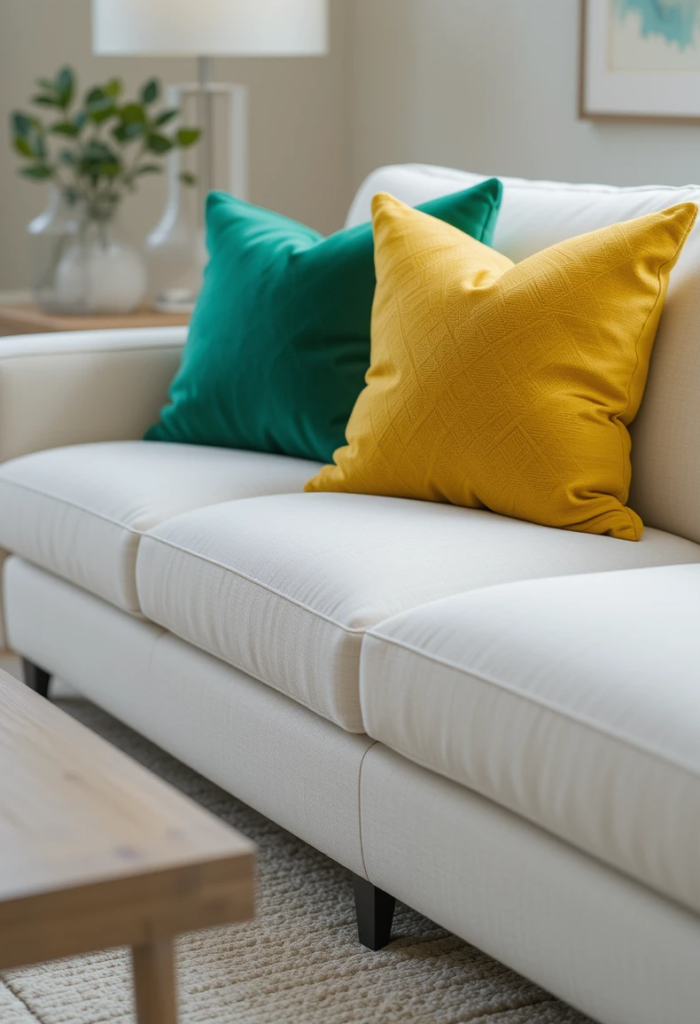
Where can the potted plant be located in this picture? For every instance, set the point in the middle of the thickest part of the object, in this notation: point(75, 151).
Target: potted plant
point(94, 153)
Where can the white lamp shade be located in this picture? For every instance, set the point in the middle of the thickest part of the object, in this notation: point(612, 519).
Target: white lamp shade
point(235, 28)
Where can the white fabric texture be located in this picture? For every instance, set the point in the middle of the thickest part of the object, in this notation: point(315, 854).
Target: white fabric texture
point(285, 587)
point(72, 388)
point(537, 214)
point(574, 702)
point(602, 942)
point(285, 761)
point(80, 511)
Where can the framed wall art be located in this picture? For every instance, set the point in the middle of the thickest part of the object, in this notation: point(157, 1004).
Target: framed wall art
point(640, 59)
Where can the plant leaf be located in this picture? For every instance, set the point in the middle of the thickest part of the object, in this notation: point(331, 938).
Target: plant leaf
point(148, 169)
point(65, 83)
point(188, 136)
point(100, 152)
point(67, 156)
point(150, 91)
point(126, 131)
point(132, 112)
point(21, 124)
point(65, 128)
point(188, 179)
point(96, 95)
point(44, 100)
point(99, 105)
point(28, 136)
point(23, 147)
point(158, 143)
point(102, 115)
point(37, 172)
point(114, 87)
point(167, 115)
point(110, 170)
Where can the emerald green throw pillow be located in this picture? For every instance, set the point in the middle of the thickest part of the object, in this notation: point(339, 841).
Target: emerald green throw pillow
point(279, 342)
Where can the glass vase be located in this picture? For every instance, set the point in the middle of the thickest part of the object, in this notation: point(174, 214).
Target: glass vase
point(175, 248)
point(82, 262)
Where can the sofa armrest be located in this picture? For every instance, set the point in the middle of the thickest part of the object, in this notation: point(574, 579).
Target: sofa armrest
point(72, 388)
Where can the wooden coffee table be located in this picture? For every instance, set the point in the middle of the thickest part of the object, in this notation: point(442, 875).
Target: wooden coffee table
point(96, 852)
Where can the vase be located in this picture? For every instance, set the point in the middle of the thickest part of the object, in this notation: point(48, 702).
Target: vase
point(82, 261)
point(175, 248)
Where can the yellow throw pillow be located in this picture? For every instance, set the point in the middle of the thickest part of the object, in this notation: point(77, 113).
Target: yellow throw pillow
point(503, 386)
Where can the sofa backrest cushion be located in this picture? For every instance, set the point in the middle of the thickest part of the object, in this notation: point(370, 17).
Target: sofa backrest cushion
point(537, 214)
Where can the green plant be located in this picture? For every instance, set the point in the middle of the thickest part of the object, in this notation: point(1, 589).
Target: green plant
point(103, 145)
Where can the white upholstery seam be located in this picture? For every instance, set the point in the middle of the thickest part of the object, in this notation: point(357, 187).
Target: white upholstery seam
point(551, 829)
point(359, 806)
point(171, 345)
point(72, 504)
point(602, 190)
point(355, 630)
point(582, 720)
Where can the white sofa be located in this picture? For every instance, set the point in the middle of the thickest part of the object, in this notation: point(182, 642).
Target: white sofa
point(496, 722)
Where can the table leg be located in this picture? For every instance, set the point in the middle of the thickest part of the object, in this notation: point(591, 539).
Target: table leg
point(154, 982)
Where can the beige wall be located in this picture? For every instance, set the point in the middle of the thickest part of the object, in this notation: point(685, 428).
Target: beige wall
point(299, 139)
point(491, 86)
point(487, 85)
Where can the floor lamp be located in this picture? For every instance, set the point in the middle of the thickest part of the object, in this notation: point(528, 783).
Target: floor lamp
point(206, 29)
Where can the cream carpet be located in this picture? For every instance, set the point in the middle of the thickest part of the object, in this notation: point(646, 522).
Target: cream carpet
point(299, 962)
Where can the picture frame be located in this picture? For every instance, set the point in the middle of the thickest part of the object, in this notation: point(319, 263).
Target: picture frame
point(640, 60)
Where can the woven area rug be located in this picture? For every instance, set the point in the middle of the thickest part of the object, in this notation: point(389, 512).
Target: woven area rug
point(299, 961)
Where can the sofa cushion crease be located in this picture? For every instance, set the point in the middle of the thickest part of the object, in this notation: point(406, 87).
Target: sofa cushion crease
point(46, 493)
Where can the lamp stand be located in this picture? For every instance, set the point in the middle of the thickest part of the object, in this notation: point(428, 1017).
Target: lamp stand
point(206, 123)
point(237, 102)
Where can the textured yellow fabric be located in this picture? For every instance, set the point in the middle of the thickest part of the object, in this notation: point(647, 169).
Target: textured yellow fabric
point(505, 386)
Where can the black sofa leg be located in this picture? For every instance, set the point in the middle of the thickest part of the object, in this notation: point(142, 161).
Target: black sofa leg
point(36, 678)
point(375, 913)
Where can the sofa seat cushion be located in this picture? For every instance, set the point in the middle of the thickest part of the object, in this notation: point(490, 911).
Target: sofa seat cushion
point(573, 702)
point(79, 512)
point(285, 587)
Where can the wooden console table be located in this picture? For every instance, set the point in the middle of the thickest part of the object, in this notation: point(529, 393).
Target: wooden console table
point(29, 319)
